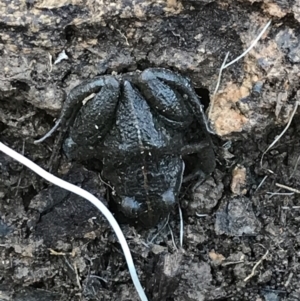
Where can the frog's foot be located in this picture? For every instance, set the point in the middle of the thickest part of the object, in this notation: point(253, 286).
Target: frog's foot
point(180, 84)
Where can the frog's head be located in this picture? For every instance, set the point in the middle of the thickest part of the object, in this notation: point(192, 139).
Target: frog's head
point(148, 213)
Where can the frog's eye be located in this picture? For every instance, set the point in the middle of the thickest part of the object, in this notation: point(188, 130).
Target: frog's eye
point(169, 198)
point(130, 206)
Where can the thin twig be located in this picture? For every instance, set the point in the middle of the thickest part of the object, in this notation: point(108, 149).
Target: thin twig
point(234, 61)
point(105, 183)
point(98, 277)
point(217, 86)
point(256, 265)
point(288, 188)
point(261, 183)
point(69, 264)
point(48, 134)
point(289, 279)
point(232, 262)
point(159, 231)
point(295, 167)
point(96, 202)
point(292, 207)
point(123, 35)
point(172, 236)
point(220, 72)
point(77, 276)
point(55, 253)
point(50, 62)
point(251, 46)
point(282, 133)
point(280, 193)
point(21, 173)
point(181, 227)
point(201, 214)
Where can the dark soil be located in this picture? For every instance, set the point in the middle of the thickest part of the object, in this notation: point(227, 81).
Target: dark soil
point(241, 231)
point(56, 246)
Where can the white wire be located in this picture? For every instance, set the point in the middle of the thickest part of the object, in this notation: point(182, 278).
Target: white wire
point(83, 193)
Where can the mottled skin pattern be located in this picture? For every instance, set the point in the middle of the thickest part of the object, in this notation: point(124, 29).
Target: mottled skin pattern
point(137, 125)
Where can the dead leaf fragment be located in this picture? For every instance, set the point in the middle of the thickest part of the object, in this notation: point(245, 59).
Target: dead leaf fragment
point(216, 257)
point(238, 182)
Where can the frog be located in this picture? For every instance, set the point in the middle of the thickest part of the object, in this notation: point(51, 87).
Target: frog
point(138, 125)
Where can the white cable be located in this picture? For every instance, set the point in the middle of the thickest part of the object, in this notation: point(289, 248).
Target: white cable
point(83, 193)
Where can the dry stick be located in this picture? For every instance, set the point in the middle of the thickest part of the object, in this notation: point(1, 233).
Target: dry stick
point(289, 279)
point(77, 276)
point(279, 193)
point(232, 262)
point(251, 46)
point(288, 208)
point(55, 253)
point(282, 133)
point(255, 266)
point(181, 226)
point(234, 61)
point(20, 175)
point(98, 277)
point(287, 188)
point(217, 86)
point(96, 202)
point(201, 214)
point(123, 35)
point(159, 231)
point(69, 264)
point(48, 134)
point(295, 167)
point(261, 183)
point(173, 240)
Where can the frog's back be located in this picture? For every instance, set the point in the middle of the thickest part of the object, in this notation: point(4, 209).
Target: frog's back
point(152, 184)
point(138, 128)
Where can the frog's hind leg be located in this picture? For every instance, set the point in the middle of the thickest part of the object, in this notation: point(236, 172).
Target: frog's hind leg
point(203, 150)
point(164, 99)
point(93, 122)
point(96, 117)
point(73, 103)
point(70, 108)
point(182, 85)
